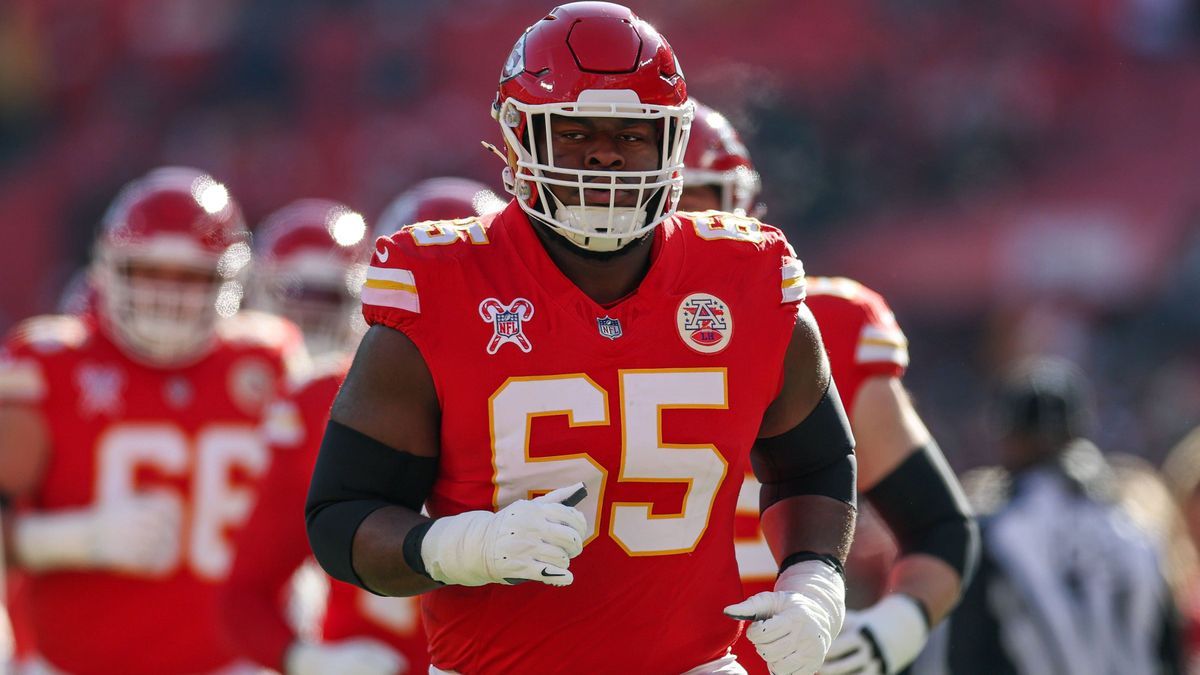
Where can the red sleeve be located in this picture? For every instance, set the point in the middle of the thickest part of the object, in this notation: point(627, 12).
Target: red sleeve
point(273, 542)
point(882, 348)
point(23, 356)
point(390, 292)
point(860, 333)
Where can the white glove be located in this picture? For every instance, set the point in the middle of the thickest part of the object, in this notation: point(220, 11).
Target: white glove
point(139, 535)
point(524, 541)
point(794, 625)
point(880, 640)
point(358, 656)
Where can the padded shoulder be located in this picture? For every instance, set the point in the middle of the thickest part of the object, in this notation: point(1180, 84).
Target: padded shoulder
point(50, 333)
point(30, 344)
point(733, 236)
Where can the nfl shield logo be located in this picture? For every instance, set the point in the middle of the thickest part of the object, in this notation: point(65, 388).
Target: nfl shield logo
point(609, 327)
point(508, 324)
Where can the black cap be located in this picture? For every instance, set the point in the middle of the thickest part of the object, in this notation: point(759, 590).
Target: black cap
point(1046, 396)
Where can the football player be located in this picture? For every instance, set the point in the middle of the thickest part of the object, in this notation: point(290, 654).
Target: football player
point(129, 434)
point(321, 244)
point(897, 457)
point(573, 388)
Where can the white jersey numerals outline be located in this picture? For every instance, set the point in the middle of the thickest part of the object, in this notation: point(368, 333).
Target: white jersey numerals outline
point(208, 462)
point(446, 232)
point(645, 457)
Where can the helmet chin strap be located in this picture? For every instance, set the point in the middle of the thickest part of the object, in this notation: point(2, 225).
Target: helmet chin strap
point(588, 219)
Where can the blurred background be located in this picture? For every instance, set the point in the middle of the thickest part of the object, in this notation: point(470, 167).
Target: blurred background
point(1015, 177)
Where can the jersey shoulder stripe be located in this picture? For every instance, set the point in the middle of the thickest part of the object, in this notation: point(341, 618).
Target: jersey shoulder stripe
point(882, 344)
point(391, 287)
point(795, 285)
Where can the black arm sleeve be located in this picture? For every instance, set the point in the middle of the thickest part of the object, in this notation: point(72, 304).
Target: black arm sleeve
point(354, 476)
point(815, 457)
point(924, 506)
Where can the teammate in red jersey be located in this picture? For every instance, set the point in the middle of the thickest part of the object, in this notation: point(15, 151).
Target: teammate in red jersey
point(573, 388)
point(130, 436)
point(309, 253)
point(897, 457)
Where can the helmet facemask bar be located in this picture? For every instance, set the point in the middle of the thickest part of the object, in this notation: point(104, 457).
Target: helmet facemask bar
point(594, 227)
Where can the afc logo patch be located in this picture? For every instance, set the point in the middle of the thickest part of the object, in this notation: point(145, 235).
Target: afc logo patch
point(507, 322)
point(705, 323)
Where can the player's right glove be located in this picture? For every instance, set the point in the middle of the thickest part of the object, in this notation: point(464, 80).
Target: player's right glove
point(880, 640)
point(794, 625)
point(359, 656)
point(528, 540)
point(138, 535)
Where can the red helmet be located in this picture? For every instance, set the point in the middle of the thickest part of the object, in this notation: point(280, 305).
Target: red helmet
point(311, 258)
point(716, 156)
point(592, 59)
point(165, 264)
point(445, 198)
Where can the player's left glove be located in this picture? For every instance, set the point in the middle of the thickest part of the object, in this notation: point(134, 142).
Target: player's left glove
point(880, 640)
point(793, 626)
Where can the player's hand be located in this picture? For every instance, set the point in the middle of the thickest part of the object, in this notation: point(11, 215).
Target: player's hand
point(138, 535)
point(359, 656)
point(880, 640)
point(528, 540)
point(793, 626)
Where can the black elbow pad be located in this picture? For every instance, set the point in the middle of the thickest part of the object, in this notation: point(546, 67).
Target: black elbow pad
point(925, 508)
point(815, 457)
point(354, 476)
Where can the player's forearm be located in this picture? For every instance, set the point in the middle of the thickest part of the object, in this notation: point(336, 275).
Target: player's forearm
point(363, 499)
point(930, 581)
point(808, 477)
point(924, 507)
point(379, 553)
point(809, 523)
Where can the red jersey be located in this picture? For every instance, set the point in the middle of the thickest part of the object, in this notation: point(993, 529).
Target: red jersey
point(653, 402)
point(273, 544)
point(119, 428)
point(862, 340)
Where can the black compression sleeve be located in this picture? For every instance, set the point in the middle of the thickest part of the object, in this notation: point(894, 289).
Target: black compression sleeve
point(354, 476)
point(815, 457)
point(924, 506)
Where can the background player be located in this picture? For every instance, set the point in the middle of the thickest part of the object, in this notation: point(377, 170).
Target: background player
point(897, 457)
point(130, 436)
point(476, 359)
point(362, 632)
